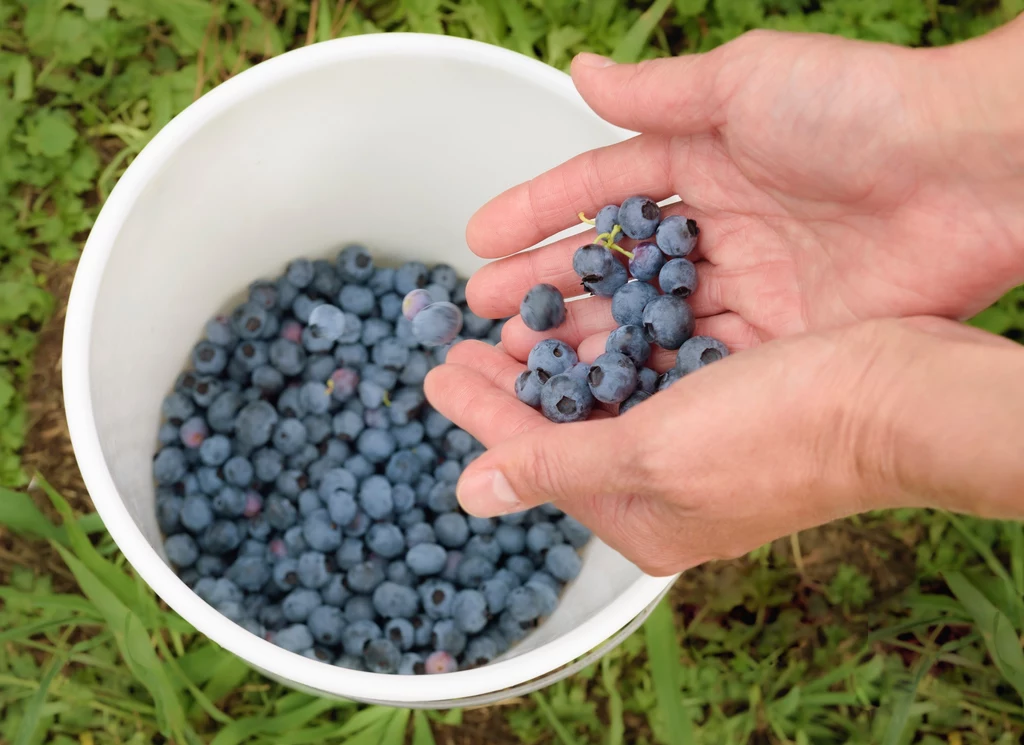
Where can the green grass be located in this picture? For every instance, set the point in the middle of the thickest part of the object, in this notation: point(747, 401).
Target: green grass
point(767, 650)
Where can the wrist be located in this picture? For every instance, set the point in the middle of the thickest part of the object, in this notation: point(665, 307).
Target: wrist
point(972, 98)
point(957, 429)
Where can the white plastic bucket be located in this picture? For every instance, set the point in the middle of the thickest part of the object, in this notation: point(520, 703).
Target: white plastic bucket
point(389, 139)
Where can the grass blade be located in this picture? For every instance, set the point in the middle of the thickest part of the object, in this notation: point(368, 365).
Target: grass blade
point(663, 656)
point(1014, 602)
point(20, 514)
point(610, 679)
point(135, 647)
point(32, 716)
point(242, 729)
point(995, 628)
point(421, 732)
point(564, 735)
point(395, 733)
point(363, 719)
point(904, 700)
point(632, 45)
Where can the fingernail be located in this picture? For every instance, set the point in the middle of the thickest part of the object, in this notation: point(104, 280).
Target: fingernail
point(588, 59)
point(487, 493)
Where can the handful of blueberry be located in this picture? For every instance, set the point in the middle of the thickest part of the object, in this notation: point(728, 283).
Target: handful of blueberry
point(306, 490)
point(565, 389)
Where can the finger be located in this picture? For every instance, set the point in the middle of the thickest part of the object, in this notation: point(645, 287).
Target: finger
point(559, 463)
point(495, 365)
point(676, 95)
point(496, 289)
point(475, 404)
point(583, 318)
point(534, 211)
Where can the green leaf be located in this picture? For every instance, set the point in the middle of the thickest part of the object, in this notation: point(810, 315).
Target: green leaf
point(610, 681)
point(19, 513)
point(904, 701)
point(94, 10)
point(995, 628)
point(32, 715)
point(365, 718)
point(563, 734)
point(395, 732)
point(135, 646)
point(50, 133)
point(242, 729)
point(664, 656)
point(421, 732)
point(24, 82)
point(631, 46)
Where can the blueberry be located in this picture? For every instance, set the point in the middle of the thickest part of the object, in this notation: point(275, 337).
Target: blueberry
point(593, 262)
point(668, 321)
point(563, 562)
point(218, 330)
point(375, 497)
point(169, 466)
point(551, 357)
point(528, 386)
point(474, 326)
point(196, 514)
point(400, 573)
point(540, 537)
point(697, 352)
point(255, 423)
point(448, 637)
point(440, 662)
point(543, 308)
point(403, 498)
point(677, 236)
point(473, 571)
point(392, 600)
point(355, 263)
point(416, 368)
point(436, 424)
point(326, 325)
point(168, 434)
point(629, 302)
point(385, 539)
point(357, 299)
point(351, 355)
point(607, 218)
point(524, 604)
point(612, 377)
point(353, 329)
point(315, 569)
point(375, 445)
point(229, 502)
point(315, 397)
point(437, 597)
point(341, 506)
point(300, 273)
point(250, 573)
point(357, 634)
point(423, 627)
point(267, 465)
point(481, 525)
point(222, 411)
point(364, 577)
point(320, 533)
point(206, 391)
point(511, 539)
point(483, 545)
point(579, 372)
point(563, 399)
point(287, 356)
point(359, 608)
point(411, 664)
point(451, 529)
point(678, 277)
point(359, 466)
point(269, 380)
point(280, 513)
point(646, 380)
point(335, 593)
point(382, 281)
point(469, 611)
point(381, 656)
point(410, 276)
point(647, 261)
point(630, 341)
point(181, 550)
point(350, 661)
point(347, 425)
point(546, 593)
point(209, 358)
point(168, 513)
point(639, 217)
point(390, 306)
point(294, 638)
point(325, 280)
point(668, 378)
point(250, 354)
point(437, 324)
point(209, 480)
point(425, 558)
point(638, 397)
point(442, 497)
point(285, 574)
point(481, 650)
point(418, 532)
point(299, 603)
point(289, 483)
point(495, 592)
point(414, 302)
point(272, 617)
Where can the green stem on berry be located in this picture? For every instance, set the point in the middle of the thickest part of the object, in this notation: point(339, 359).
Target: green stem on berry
point(620, 249)
point(583, 218)
point(387, 399)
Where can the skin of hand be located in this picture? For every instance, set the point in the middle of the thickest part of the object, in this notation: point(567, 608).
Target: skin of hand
point(783, 437)
point(833, 181)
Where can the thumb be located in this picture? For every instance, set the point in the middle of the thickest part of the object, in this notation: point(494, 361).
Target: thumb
point(556, 463)
point(674, 95)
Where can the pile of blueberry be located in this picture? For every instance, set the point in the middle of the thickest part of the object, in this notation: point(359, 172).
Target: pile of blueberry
point(650, 310)
point(306, 490)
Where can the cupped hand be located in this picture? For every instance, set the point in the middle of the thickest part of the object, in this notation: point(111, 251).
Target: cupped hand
point(791, 434)
point(832, 180)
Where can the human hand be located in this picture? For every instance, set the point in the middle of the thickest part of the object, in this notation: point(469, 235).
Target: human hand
point(792, 434)
point(833, 181)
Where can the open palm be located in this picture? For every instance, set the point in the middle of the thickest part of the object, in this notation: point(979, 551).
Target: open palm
point(830, 183)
